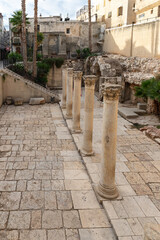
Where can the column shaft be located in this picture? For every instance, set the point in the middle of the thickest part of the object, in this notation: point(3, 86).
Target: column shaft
point(77, 76)
point(88, 115)
point(64, 88)
point(107, 187)
point(69, 92)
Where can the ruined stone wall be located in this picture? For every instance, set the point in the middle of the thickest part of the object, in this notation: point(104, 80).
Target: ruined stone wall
point(57, 41)
point(17, 87)
point(55, 77)
point(141, 40)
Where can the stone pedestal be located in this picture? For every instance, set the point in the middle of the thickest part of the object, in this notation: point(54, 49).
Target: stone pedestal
point(88, 115)
point(77, 77)
point(69, 93)
point(64, 88)
point(107, 188)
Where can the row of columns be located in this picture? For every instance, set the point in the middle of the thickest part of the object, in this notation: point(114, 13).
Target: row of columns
point(106, 187)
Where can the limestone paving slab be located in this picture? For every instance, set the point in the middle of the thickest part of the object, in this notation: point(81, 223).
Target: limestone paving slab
point(137, 176)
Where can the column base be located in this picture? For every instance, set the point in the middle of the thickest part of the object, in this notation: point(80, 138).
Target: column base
point(106, 192)
point(86, 154)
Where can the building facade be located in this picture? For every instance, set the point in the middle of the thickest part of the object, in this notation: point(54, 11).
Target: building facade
point(147, 10)
point(111, 12)
point(61, 38)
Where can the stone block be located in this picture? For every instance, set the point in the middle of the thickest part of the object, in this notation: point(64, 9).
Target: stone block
point(36, 101)
point(9, 100)
point(18, 101)
point(142, 106)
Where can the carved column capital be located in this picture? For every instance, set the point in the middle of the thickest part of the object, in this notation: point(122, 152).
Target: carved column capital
point(111, 91)
point(70, 71)
point(89, 80)
point(77, 75)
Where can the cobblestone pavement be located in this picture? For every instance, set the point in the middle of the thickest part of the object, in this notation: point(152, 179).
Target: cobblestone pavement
point(45, 191)
point(137, 176)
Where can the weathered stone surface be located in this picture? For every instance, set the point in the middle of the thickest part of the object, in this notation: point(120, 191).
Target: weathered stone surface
point(94, 218)
point(64, 200)
point(9, 235)
point(3, 219)
point(19, 220)
point(52, 219)
point(84, 200)
point(100, 234)
point(50, 200)
point(32, 200)
point(56, 234)
point(33, 235)
point(152, 231)
point(10, 201)
point(36, 219)
point(71, 219)
point(72, 234)
point(36, 101)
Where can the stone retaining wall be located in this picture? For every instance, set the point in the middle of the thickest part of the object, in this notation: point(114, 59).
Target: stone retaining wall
point(16, 86)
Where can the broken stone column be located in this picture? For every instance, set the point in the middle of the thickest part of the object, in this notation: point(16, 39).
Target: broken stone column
point(88, 115)
point(64, 88)
point(69, 93)
point(77, 77)
point(107, 188)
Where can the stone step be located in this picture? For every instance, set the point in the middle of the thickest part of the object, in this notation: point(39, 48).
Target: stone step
point(129, 113)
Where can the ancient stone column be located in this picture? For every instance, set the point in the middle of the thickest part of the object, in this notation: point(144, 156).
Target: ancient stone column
point(88, 115)
point(77, 77)
point(69, 93)
point(64, 88)
point(107, 188)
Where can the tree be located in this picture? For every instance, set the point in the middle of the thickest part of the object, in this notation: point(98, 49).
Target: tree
point(16, 22)
point(90, 25)
point(35, 39)
point(24, 42)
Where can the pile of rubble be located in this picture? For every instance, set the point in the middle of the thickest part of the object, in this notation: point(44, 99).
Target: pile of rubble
point(152, 132)
point(136, 69)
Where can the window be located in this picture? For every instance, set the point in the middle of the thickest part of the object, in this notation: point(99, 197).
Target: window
point(151, 11)
point(38, 28)
point(159, 11)
point(68, 30)
point(141, 15)
point(120, 11)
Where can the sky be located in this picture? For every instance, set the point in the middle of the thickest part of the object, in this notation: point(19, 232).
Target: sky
point(45, 7)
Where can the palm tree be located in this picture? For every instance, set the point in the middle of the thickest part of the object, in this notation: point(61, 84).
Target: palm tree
point(16, 22)
point(90, 25)
point(24, 42)
point(35, 39)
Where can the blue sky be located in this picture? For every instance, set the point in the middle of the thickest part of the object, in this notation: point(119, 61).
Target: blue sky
point(45, 7)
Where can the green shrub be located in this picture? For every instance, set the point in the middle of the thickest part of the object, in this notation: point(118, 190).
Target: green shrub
point(84, 53)
point(51, 61)
point(18, 68)
point(39, 57)
point(14, 57)
point(42, 71)
point(149, 89)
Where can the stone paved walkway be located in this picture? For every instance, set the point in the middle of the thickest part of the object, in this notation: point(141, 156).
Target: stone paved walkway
point(137, 176)
point(45, 191)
